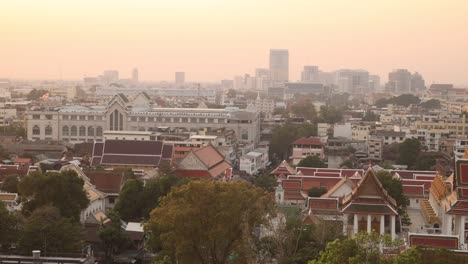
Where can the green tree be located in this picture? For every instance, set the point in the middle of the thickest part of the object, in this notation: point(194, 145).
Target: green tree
point(347, 163)
point(45, 229)
point(112, 236)
point(62, 190)
point(409, 152)
point(431, 104)
point(425, 162)
point(7, 226)
point(370, 116)
point(312, 161)
point(316, 191)
point(283, 136)
point(394, 188)
point(306, 109)
point(10, 184)
point(4, 154)
point(199, 222)
point(330, 114)
point(266, 181)
point(36, 94)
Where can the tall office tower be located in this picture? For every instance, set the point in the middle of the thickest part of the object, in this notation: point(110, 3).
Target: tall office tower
point(135, 75)
point(399, 81)
point(417, 82)
point(110, 76)
point(238, 83)
point(262, 78)
point(279, 65)
point(179, 79)
point(352, 81)
point(310, 74)
point(374, 83)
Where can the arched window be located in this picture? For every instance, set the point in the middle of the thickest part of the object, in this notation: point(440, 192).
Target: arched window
point(65, 131)
point(73, 131)
point(82, 131)
point(36, 130)
point(141, 129)
point(90, 131)
point(48, 130)
point(99, 131)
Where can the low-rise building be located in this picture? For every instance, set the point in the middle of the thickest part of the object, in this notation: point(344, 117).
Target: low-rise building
point(303, 147)
point(390, 137)
point(375, 147)
point(254, 161)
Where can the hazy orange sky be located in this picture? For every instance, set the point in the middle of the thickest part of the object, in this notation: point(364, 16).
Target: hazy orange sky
point(213, 40)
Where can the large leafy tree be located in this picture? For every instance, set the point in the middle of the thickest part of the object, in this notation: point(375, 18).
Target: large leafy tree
point(210, 222)
point(284, 135)
point(10, 184)
point(394, 188)
point(47, 230)
point(312, 161)
point(409, 152)
point(7, 226)
point(62, 190)
point(112, 235)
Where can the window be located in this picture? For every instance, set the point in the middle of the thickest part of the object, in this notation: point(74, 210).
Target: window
point(73, 131)
point(65, 131)
point(90, 117)
point(99, 118)
point(48, 130)
point(49, 117)
point(73, 117)
point(36, 130)
point(150, 119)
point(99, 131)
point(65, 117)
point(134, 119)
point(36, 116)
point(91, 131)
point(82, 117)
point(111, 200)
point(141, 119)
point(82, 131)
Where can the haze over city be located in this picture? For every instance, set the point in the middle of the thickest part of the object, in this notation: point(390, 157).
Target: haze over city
point(213, 40)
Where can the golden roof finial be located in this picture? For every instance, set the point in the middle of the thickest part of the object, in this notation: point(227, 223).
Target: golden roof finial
point(465, 155)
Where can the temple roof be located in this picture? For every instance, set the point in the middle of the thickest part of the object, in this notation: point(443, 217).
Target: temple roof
point(283, 169)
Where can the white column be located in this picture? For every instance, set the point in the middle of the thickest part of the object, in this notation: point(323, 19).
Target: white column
point(393, 227)
point(369, 220)
point(345, 224)
point(448, 225)
point(355, 227)
point(462, 231)
point(382, 224)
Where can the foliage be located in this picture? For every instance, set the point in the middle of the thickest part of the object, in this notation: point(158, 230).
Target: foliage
point(409, 152)
point(231, 93)
point(394, 188)
point(312, 161)
point(425, 162)
point(62, 190)
point(364, 248)
point(386, 165)
point(347, 163)
point(137, 200)
point(305, 108)
point(10, 184)
point(209, 222)
point(284, 135)
point(431, 104)
point(316, 191)
point(266, 181)
point(49, 232)
point(36, 94)
point(14, 130)
point(7, 226)
point(112, 236)
point(370, 116)
point(330, 114)
point(4, 154)
point(391, 152)
point(402, 100)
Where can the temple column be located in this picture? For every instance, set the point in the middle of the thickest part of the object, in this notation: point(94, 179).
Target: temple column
point(345, 224)
point(393, 227)
point(382, 224)
point(355, 226)
point(447, 225)
point(462, 231)
point(369, 220)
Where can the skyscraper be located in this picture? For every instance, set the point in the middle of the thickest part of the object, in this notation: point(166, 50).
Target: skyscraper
point(310, 74)
point(135, 75)
point(399, 81)
point(262, 77)
point(417, 82)
point(279, 65)
point(179, 79)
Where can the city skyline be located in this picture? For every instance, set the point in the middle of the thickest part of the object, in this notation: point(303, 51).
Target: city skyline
point(214, 40)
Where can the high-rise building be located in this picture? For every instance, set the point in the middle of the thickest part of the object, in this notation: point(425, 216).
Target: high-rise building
point(352, 81)
point(238, 83)
point(279, 65)
point(262, 78)
point(399, 81)
point(310, 74)
point(374, 83)
point(179, 79)
point(135, 75)
point(110, 76)
point(417, 82)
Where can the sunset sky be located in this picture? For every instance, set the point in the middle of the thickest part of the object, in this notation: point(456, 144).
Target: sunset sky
point(212, 40)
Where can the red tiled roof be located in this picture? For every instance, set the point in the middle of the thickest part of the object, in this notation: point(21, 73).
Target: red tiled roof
point(433, 241)
point(306, 171)
point(133, 147)
point(209, 155)
point(291, 184)
point(107, 182)
point(23, 160)
point(413, 190)
point(308, 141)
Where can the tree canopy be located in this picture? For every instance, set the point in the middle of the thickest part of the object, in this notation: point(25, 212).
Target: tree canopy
point(283, 136)
point(394, 188)
point(112, 236)
point(401, 100)
point(7, 226)
point(62, 190)
point(316, 191)
point(431, 104)
point(10, 184)
point(330, 114)
point(47, 230)
point(312, 161)
point(36, 94)
point(409, 152)
point(209, 222)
